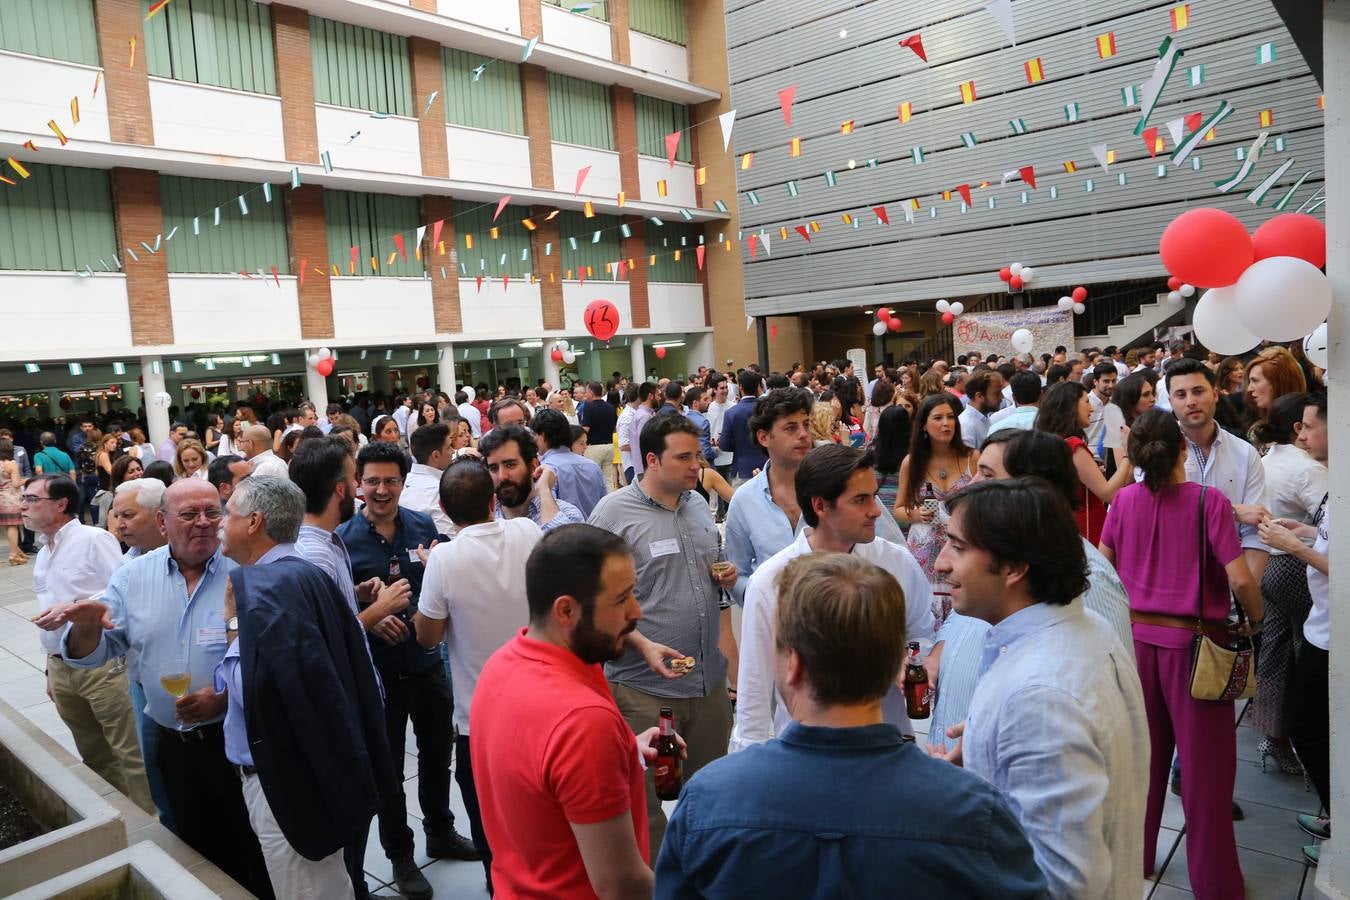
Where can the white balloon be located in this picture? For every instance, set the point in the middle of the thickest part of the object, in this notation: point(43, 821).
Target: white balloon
point(1282, 298)
point(878, 328)
point(312, 359)
point(1022, 340)
point(1016, 269)
point(563, 345)
point(1028, 273)
point(1217, 325)
point(163, 399)
point(1079, 309)
point(1066, 303)
point(569, 357)
point(1315, 346)
point(1175, 298)
point(957, 308)
point(943, 306)
point(324, 353)
point(1187, 290)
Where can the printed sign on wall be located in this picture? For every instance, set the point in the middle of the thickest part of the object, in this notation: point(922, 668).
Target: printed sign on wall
point(991, 332)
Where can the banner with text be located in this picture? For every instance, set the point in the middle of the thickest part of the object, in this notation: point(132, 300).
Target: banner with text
point(991, 332)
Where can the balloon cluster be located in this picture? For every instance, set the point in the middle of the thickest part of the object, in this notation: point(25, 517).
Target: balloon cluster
point(950, 311)
point(322, 361)
point(1016, 276)
point(1075, 300)
point(1265, 286)
point(562, 353)
point(886, 321)
point(1178, 291)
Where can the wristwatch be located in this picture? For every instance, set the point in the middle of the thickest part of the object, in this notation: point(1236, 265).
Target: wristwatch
point(232, 623)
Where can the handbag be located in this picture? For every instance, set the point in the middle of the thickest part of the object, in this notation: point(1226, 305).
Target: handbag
point(1217, 672)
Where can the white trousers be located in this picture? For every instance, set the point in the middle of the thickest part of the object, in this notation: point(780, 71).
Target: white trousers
point(292, 875)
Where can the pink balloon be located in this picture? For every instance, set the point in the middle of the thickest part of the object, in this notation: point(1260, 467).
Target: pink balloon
point(324, 367)
point(1206, 247)
point(1292, 234)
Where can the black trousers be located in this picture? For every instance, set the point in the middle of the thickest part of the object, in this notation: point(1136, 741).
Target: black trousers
point(208, 804)
point(1310, 732)
point(464, 778)
point(424, 698)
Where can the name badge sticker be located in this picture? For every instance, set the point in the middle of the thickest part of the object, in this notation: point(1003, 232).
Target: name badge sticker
point(210, 635)
point(668, 547)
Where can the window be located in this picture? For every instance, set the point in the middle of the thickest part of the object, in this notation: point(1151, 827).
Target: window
point(579, 112)
point(492, 102)
point(56, 29)
point(360, 68)
point(658, 118)
point(59, 218)
point(513, 240)
point(369, 223)
point(662, 19)
point(662, 242)
point(596, 9)
point(589, 252)
point(240, 243)
point(227, 43)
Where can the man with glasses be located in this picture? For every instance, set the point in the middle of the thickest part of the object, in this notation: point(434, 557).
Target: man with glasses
point(76, 563)
point(167, 607)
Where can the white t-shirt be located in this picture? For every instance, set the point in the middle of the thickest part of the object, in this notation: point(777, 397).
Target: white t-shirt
point(1103, 431)
point(477, 581)
point(1317, 627)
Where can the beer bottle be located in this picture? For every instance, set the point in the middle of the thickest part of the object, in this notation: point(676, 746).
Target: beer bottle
point(667, 765)
point(917, 696)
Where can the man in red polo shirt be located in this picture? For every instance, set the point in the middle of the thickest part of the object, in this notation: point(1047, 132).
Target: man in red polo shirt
point(559, 774)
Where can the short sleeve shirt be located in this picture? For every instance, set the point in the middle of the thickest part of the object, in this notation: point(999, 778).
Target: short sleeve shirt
point(601, 419)
point(550, 749)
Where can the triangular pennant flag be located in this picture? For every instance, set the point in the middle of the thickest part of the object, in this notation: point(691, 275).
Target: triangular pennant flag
point(915, 43)
point(352, 266)
point(1099, 153)
point(478, 281)
point(276, 277)
point(786, 96)
point(436, 233)
point(1193, 121)
point(881, 214)
point(1028, 175)
point(672, 146)
point(302, 271)
point(402, 251)
point(768, 244)
point(501, 205)
point(699, 252)
point(1001, 10)
point(529, 48)
point(1177, 128)
point(726, 120)
point(506, 282)
point(1151, 140)
point(964, 191)
point(806, 235)
point(581, 179)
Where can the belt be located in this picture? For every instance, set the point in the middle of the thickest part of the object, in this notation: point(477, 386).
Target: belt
point(200, 733)
point(1215, 631)
point(243, 771)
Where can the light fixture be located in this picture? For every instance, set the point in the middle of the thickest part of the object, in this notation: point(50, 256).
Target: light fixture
point(210, 364)
point(32, 368)
point(177, 366)
point(119, 368)
point(76, 369)
point(530, 345)
point(668, 344)
point(276, 359)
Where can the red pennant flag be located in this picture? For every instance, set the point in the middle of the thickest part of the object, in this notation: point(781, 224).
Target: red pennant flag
point(773, 332)
point(581, 178)
point(881, 214)
point(1194, 121)
point(479, 281)
point(276, 277)
point(672, 144)
point(302, 272)
point(964, 191)
point(915, 43)
point(751, 242)
point(506, 282)
point(581, 274)
point(501, 205)
point(623, 269)
point(436, 232)
point(700, 251)
point(801, 229)
point(785, 98)
point(398, 242)
point(1151, 140)
point(352, 269)
point(1028, 174)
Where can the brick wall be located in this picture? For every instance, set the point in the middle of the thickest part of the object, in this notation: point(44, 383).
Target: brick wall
point(635, 248)
point(424, 5)
point(548, 268)
point(126, 88)
point(308, 232)
point(534, 97)
point(625, 139)
point(295, 83)
point(137, 212)
point(428, 77)
point(444, 290)
point(618, 31)
point(531, 18)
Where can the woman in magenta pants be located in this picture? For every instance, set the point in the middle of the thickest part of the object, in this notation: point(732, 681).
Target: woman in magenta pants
point(1161, 534)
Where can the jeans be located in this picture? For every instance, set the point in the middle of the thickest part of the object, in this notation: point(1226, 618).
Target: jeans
point(425, 698)
point(149, 735)
point(464, 778)
point(88, 488)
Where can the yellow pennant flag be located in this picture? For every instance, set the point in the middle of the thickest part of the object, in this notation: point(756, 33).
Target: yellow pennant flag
point(701, 175)
point(1267, 118)
point(1181, 16)
point(18, 168)
point(468, 242)
point(75, 110)
point(1070, 167)
point(495, 232)
point(588, 210)
point(796, 146)
point(967, 92)
point(846, 127)
point(661, 189)
point(393, 254)
point(906, 112)
point(622, 198)
point(747, 160)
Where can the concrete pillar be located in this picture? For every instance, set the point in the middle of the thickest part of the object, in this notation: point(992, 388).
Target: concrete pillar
point(445, 368)
point(316, 388)
point(157, 417)
point(54, 404)
point(637, 347)
point(551, 372)
point(379, 379)
point(700, 352)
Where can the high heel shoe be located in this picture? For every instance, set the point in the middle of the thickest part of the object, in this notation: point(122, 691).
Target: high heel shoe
point(1282, 755)
point(18, 560)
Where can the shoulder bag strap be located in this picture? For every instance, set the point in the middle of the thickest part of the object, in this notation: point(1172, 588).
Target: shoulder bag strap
point(1204, 559)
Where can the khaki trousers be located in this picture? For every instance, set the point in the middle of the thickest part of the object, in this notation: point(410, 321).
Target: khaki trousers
point(293, 876)
point(603, 456)
point(95, 704)
point(703, 722)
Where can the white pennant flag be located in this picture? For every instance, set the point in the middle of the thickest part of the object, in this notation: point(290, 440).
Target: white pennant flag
point(764, 239)
point(1001, 10)
point(1168, 54)
point(749, 322)
point(1009, 176)
point(1177, 128)
point(726, 120)
point(1099, 151)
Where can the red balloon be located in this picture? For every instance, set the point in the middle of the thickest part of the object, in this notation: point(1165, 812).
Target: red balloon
point(1174, 283)
point(556, 355)
point(324, 367)
point(65, 403)
point(893, 323)
point(196, 394)
point(1206, 247)
point(1292, 234)
point(422, 381)
point(114, 388)
point(602, 319)
point(1015, 281)
point(948, 318)
point(1005, 274)
point(1079, 294)
point(660, 352)
point(883, 315)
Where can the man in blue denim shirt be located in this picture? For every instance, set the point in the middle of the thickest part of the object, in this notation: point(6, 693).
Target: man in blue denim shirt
point(840, 805)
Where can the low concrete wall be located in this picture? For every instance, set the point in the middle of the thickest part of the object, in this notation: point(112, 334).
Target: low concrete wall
point(143, 872)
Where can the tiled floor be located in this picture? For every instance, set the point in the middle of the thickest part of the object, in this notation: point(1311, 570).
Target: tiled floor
point(1268, 839)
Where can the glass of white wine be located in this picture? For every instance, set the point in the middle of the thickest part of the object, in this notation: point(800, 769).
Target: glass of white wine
point(175, 678)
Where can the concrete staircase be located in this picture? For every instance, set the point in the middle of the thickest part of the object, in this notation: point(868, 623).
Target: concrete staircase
point(1134, 326)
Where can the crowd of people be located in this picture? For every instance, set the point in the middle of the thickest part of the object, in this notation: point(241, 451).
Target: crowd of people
point(241, 623)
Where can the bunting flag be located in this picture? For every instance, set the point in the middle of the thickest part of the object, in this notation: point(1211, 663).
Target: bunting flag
point(661, 189)
point(1151, 141)
point(17, 167)
point(725, 121)
point(468, 242)
point(831, 180)
point(701, 175)
point(581, 179)
point(967, 92)
point(846, 127)
point(29, 145)
point(964, 191)
point(1071, 112)
point(1266, 118)
point(75, 110)
point(673, 146)
point(882, 217)
point(98, 77)
point(436, 235)
point(906, 112)
point(792, 188)
point(1102, 155)
point(747, 160)
point(1265, 53)
point(131, 61)
point(351, 265)
point(750, 243)
point(501, 205)
point(1001, 10)
point(1195, 75)
point(1181, 17)
point(796, 147)
point(786, 96)
point(431, 98)
point(477, 72)
point(326, 157)
point(1018, 126)
point(916, 154)
point(156, 7)
point(7, 180)
point(699, 253)
point(1070, 166)
point(1284, 201)
point(1184, 149)
point(806, 235)
point(915, 43)
point(969, 139)
point(60, 135)
point(1257, 195)
point(1028, 175)
point(402, 250)
point(529, 48)
point(1089, 186)
point(1245, 169)
point(768, 245)
point(588, 208)
point(846, 218)
point(478, 283)
point(417, 243)
point(752, 197)
point(720, 206)
point(1035, 71)
point(1106, 45)
point(1168, 54)
point(621, 198)
point(1129, 96)
point(277, 278)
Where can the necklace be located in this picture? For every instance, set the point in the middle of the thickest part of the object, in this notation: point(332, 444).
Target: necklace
point(942, 474)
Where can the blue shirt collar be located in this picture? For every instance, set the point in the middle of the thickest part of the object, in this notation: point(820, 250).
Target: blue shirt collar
point(278, 551)
point(1034, 618)
point(863, 737)
point(172, 564)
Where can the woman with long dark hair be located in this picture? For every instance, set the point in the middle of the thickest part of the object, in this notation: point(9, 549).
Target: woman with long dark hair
point(1134, 394)
point(1065, 411)
point(938, 465)
point(890, 444)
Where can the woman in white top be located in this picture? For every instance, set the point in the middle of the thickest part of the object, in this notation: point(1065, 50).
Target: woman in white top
point(1296, 489)
point(229, 438)
point(189, 460)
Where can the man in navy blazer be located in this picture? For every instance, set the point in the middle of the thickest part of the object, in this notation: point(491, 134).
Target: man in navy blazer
point(305, 723)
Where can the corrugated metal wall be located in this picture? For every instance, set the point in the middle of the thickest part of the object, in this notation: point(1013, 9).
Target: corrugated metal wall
point(240, 243)
point(659, 18)
point(227, 43)
point(844, 59)
point(56, 29)
point(486, 257)
point(59, 218)
point(579, 112)
point(492, 102)
point(360, 68)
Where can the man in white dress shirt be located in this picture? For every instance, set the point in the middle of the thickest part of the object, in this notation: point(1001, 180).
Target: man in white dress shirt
point(256, 444)
point(836, 490)
point(430, 445)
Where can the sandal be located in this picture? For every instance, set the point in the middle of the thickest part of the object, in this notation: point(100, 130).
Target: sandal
point(18, 560)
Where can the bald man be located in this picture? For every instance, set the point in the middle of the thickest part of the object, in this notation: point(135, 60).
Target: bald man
point(256, 444)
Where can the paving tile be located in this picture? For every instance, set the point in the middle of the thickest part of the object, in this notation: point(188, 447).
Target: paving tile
point(1166, 892)
point(1274, 788)
point(12, 668)
point(460, 880)
point(377, 866)
point(1266, 875)
point(1271, 829)
point(25, 691)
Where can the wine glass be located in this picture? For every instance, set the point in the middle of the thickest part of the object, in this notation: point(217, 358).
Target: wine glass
point(175, 678)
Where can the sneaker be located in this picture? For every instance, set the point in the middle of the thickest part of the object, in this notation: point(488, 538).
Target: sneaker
point(451, 845)
point(1317, 826)
point(1176, 783)
point(410, 881)
point(1311, 853)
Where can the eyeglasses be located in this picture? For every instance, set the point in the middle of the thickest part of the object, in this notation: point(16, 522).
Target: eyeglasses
point(33, 498)
point(373, 483)
point(190, 516)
